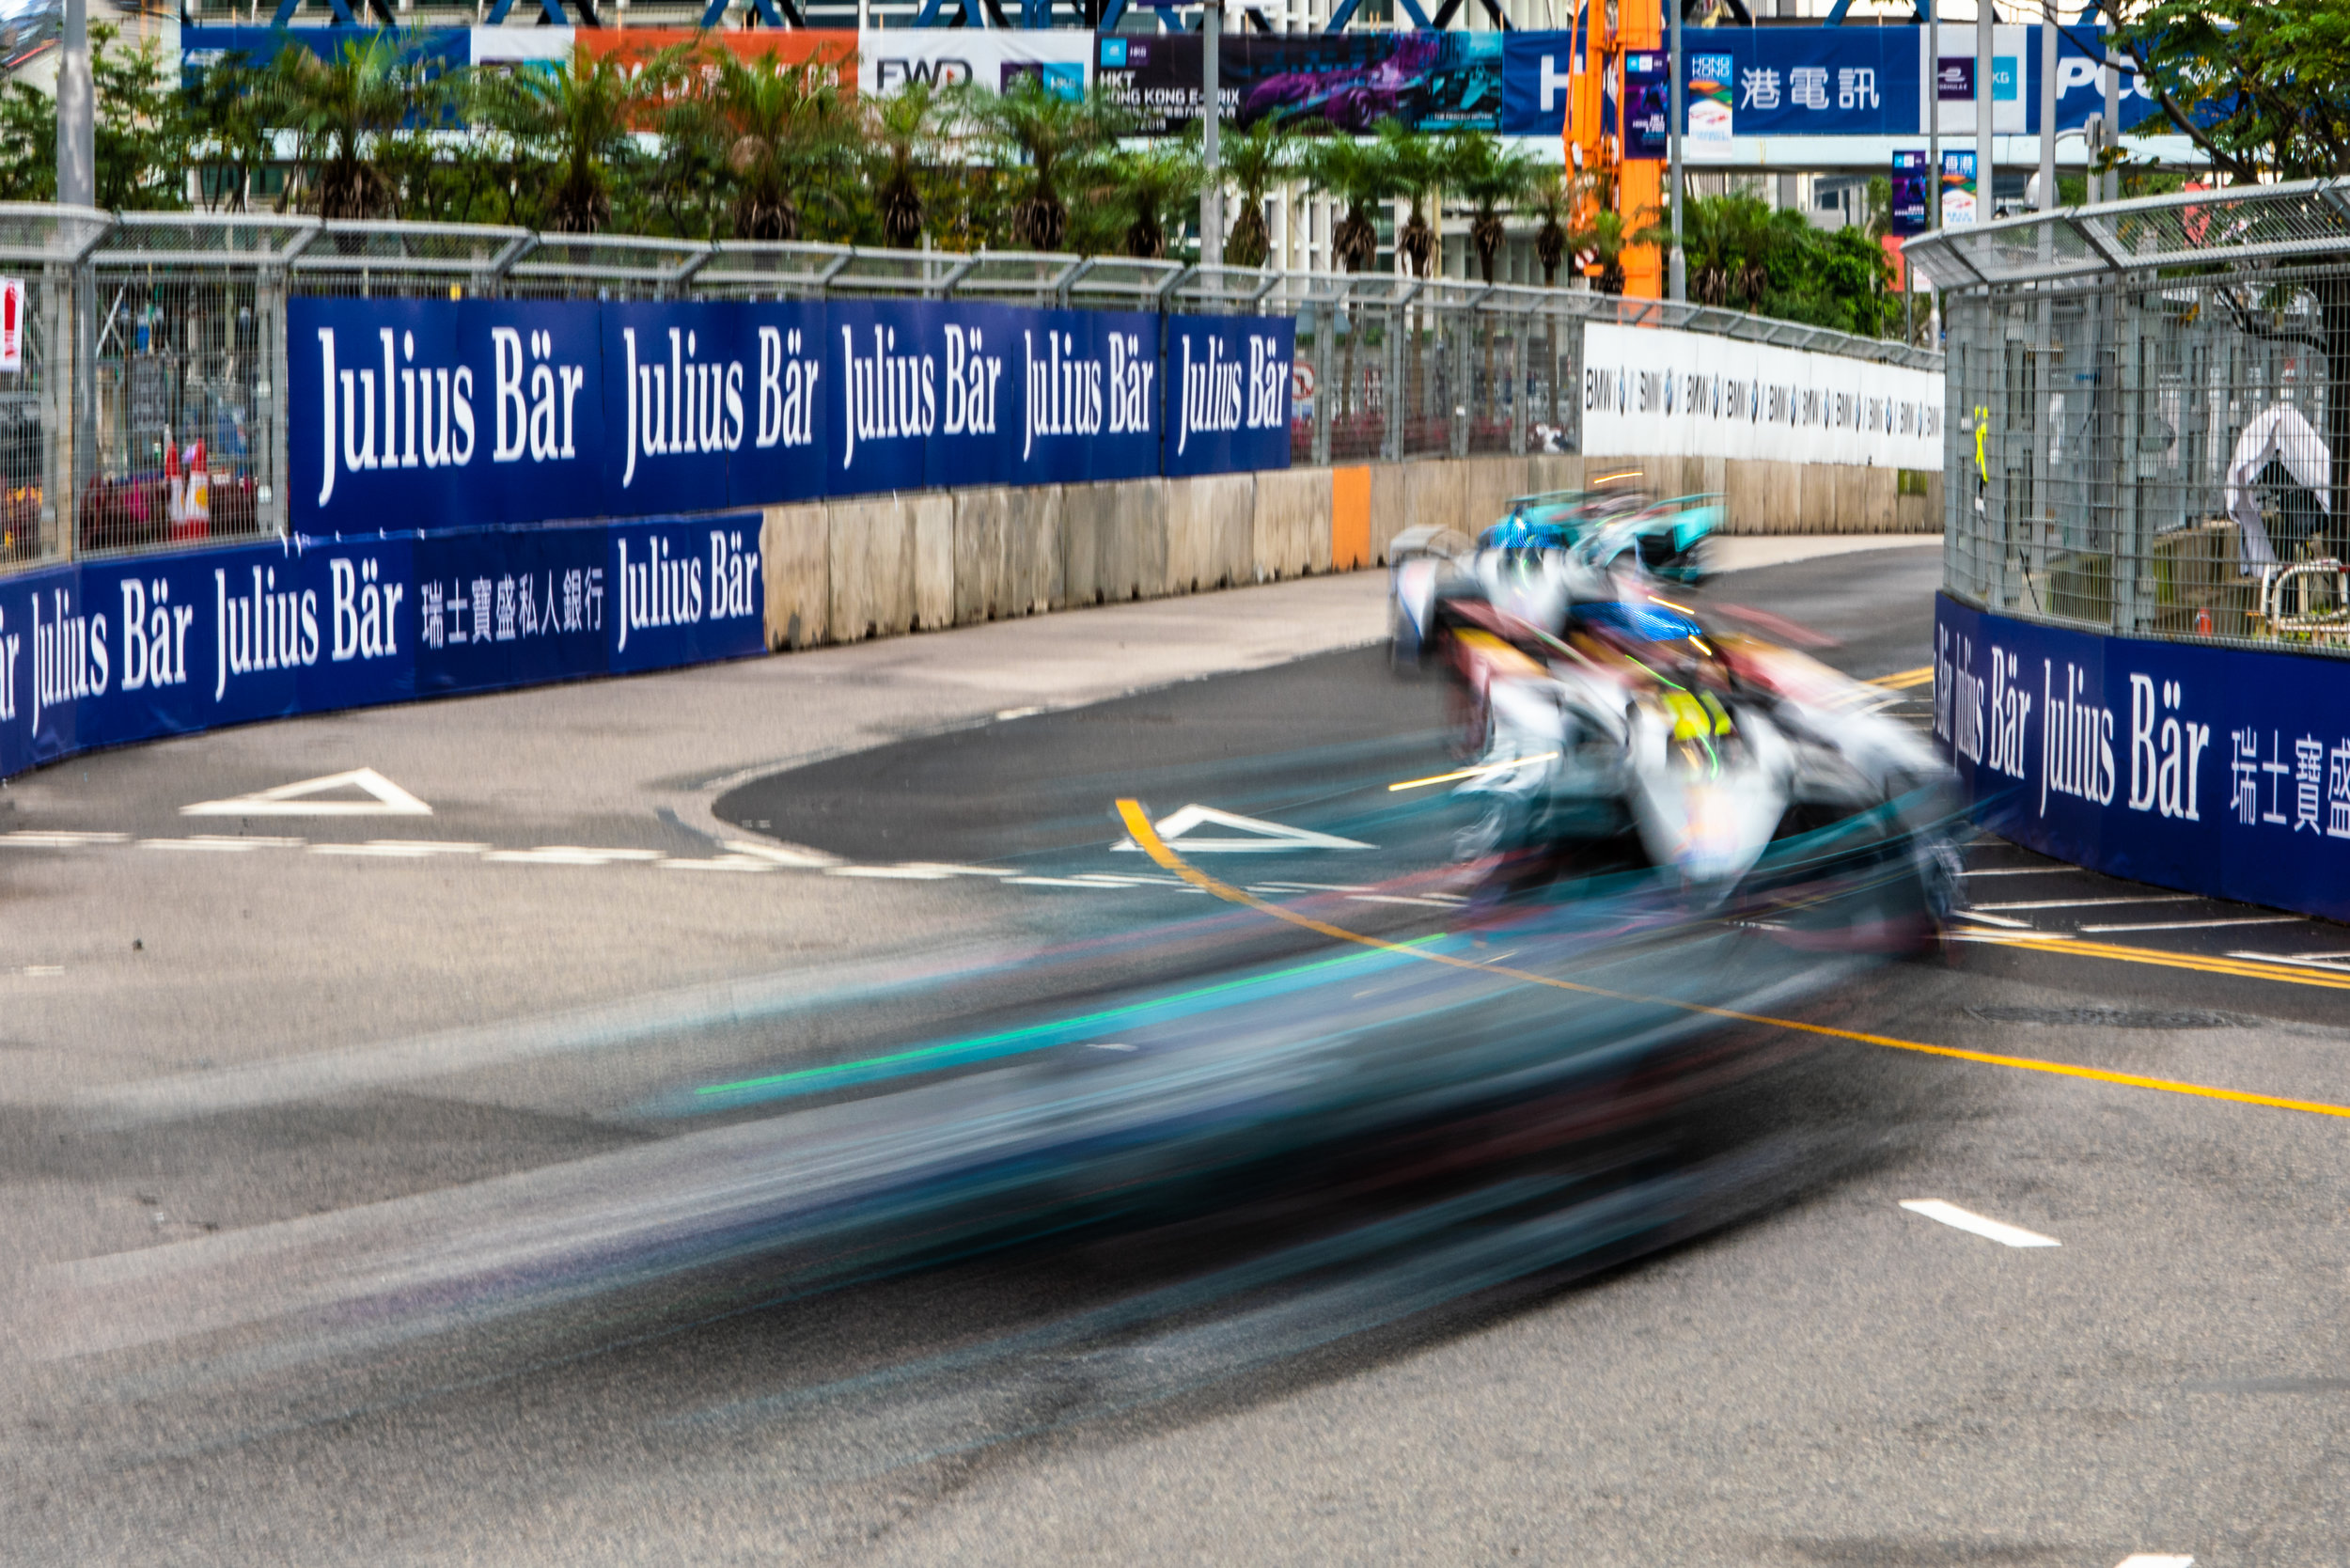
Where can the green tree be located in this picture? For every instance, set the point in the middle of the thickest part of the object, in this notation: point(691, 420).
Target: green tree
point(576, 123)
point(1254, 161)
point(1359, 175)
point(1155, 190)
point(1422, 163)
point(28, 143)
point(1048, 139)
point(229, 130)
point(900, 132)
point(782, 133)
point(1490, 179)
point(1551, 199)
point(346, 113)
point(141, 130)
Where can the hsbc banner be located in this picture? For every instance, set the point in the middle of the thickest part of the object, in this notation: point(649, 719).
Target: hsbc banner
point(440, 414)
point(2213, 770)
point(1227, 393)
point(102, 654)
point(1654, 390)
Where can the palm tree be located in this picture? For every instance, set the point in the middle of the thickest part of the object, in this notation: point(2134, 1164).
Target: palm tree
point(579, 119)
point(1605, 234)
point(1155, 187)
point(1551, 197)
point(343, 111)
point(781, 131)
point(1360, 175)
point(900, 129)
point(1255, 160)
point(1422, 163)
point(1490, 179)
point(1045, 135)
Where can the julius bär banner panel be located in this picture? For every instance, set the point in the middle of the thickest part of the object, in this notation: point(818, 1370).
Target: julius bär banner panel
point(433, 414)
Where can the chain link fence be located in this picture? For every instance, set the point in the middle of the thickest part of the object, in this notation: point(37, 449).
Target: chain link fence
point(2150, 414)
point(149, 408)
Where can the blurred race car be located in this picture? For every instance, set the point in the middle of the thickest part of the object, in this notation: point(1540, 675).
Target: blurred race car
point(1544, 543)
point(1606, 727)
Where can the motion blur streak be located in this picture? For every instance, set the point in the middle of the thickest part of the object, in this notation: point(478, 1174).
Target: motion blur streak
point(1138, 823)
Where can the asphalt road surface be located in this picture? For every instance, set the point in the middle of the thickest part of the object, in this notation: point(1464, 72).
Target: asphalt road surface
point(280, 1080)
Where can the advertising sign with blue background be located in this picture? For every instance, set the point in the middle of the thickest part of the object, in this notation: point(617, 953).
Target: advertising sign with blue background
point(1848, 81)
point(441, 414)
point(101, 653)
point(2214, 770)
point(1227, 393)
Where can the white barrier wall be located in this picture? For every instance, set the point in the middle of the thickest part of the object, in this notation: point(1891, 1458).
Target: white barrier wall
point(1688, 394)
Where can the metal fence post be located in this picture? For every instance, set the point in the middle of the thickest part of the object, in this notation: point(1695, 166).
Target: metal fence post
point(1518, 359)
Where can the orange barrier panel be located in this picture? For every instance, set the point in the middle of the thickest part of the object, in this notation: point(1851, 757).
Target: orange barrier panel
point(1350, 519)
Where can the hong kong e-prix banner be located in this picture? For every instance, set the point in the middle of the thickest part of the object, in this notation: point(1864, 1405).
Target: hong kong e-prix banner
point(103, 654)
point(2214, 770)
point(437, 414)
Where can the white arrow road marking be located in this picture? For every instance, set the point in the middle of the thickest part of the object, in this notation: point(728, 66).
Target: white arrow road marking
point(2156, 1560)
point(386, 799)
point(1263, 836)
point(1958, 1218)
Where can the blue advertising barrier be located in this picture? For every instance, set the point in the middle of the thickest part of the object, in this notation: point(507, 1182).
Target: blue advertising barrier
point(104, 652)
point(2212, 770)
point(441, 414)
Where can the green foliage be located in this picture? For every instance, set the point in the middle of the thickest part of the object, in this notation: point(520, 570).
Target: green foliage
point(571, 129)
point(782, 133)
point(1359, 175)
point(1044, 140)
point(2255, 84)
point(1489, 177)
point(1254, 162)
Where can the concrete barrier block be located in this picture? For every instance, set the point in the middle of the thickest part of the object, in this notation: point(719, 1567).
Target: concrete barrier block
point(1113, 540)
point(1434, 495)
point(1390, 506)
point(1007, 553)
point(1554, 471)
point(932, 530)
point(871, 550)
point(1350, 519)
point(795, 553)
point(1210, 528)
point(1290, 527)
point(1488, 485)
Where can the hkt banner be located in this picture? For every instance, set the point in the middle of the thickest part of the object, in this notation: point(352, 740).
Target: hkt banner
point(456, 413)
point(98, 654)
point(1431, 81)
point(2213, 770)
point(1654, 390)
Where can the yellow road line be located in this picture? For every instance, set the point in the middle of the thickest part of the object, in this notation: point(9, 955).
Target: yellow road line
point(1902, 681)
point(2241, 968)
point(1138, 824)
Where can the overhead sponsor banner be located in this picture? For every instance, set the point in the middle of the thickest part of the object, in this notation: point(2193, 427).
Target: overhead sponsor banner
point(1343, 80)
point(467, 414)
point(2214, 770)
point(203, 47)
point(891, 59)
point(1655, 390)
point(104, 653)
point(1647, 104)
point(1908, 212)
point(1830, 81)
point(1958, 189)
point(1228, 394)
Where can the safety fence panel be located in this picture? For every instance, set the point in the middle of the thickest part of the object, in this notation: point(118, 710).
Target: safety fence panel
point(166, 384)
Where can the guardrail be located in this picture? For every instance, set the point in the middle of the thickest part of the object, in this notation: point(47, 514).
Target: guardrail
point(145, 334)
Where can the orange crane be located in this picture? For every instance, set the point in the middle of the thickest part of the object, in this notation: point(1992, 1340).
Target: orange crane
point(1634, 188)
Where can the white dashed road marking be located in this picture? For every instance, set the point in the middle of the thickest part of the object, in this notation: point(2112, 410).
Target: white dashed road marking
point(1963, 1219)
point(2154, 1560)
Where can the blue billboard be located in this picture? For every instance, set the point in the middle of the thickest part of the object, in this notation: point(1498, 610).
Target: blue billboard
point(2219, 770)
point(101, 653)
point(440, 414)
